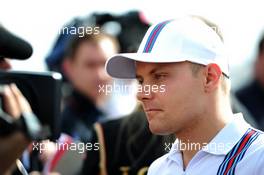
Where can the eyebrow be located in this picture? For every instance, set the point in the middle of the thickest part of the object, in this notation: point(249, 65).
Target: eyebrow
point(152, 71)
point(138, 76)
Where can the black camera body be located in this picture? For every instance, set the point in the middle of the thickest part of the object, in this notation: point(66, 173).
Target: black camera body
point(43, 92)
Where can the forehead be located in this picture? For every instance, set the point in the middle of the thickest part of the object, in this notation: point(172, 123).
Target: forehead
point(92, 52)
point(145, 68)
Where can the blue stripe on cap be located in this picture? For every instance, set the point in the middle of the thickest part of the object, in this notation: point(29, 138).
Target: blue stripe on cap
point(154, 35)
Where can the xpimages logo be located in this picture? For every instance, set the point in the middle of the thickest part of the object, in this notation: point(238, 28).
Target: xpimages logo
point(117, 88)
point(80, 31)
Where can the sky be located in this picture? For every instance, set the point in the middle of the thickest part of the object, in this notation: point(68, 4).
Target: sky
point(40, 21)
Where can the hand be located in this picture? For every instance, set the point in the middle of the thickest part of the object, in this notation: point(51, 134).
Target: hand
point(14, 102)
point(48, 152)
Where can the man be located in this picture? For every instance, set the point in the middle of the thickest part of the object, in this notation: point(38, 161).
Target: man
point(186, 56)
point(83, 66)
point(252, 95)
point(15, 104)
point(14, 107)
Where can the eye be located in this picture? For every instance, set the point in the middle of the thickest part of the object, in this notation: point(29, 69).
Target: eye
point(159, 76)
point(140, 80)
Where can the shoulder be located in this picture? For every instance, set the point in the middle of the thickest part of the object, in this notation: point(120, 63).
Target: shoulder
point(255, 154)
point(257, 146)
point(158, 165)
point(111, 124)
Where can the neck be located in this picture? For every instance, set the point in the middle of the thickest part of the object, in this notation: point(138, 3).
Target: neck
point(202, 131)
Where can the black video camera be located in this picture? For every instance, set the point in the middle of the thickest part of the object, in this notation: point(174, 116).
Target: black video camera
point(43, 92)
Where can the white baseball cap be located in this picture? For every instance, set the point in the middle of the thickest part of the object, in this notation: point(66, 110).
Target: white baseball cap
point(178, 40)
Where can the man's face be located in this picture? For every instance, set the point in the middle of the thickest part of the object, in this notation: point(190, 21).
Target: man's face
point(175, 108)
point(259, 68)
point(86, 70)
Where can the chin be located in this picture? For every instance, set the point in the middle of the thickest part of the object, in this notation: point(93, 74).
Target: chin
point(158, 130)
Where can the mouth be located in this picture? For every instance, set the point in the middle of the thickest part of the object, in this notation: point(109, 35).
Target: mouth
point(152, 110)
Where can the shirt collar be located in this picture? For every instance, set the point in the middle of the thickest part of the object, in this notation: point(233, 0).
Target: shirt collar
point(224, 140)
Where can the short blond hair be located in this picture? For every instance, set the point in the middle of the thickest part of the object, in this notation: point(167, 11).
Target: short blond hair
point(225, 82)
point(211, 24)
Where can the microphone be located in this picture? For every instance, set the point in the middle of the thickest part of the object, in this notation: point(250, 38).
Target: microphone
point(13, 47)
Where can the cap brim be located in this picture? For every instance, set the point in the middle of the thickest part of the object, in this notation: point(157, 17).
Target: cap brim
point(123, 65)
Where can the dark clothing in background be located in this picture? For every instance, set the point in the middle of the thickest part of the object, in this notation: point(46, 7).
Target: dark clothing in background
point(252, 97)
point(78, 116)
point(129, 147)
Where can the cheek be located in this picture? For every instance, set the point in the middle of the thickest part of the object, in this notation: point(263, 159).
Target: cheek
point(83, 79)
point(84, 73)
point(175, 94)
point(180, 99)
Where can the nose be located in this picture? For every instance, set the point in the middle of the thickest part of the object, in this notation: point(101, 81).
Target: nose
point(102, 74)
point(144, 93)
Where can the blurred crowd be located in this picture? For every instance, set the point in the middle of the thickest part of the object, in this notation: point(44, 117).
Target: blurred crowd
point(104, 133)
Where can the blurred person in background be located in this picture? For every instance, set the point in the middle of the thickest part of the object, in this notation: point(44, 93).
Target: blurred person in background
point(118, 29)
point(252, 94)
point(80, 57)
point(14, 107)
point(124, 28)
point(83, 67)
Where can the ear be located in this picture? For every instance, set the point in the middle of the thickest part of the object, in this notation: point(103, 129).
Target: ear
point(212, 77)
point(67, 67)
